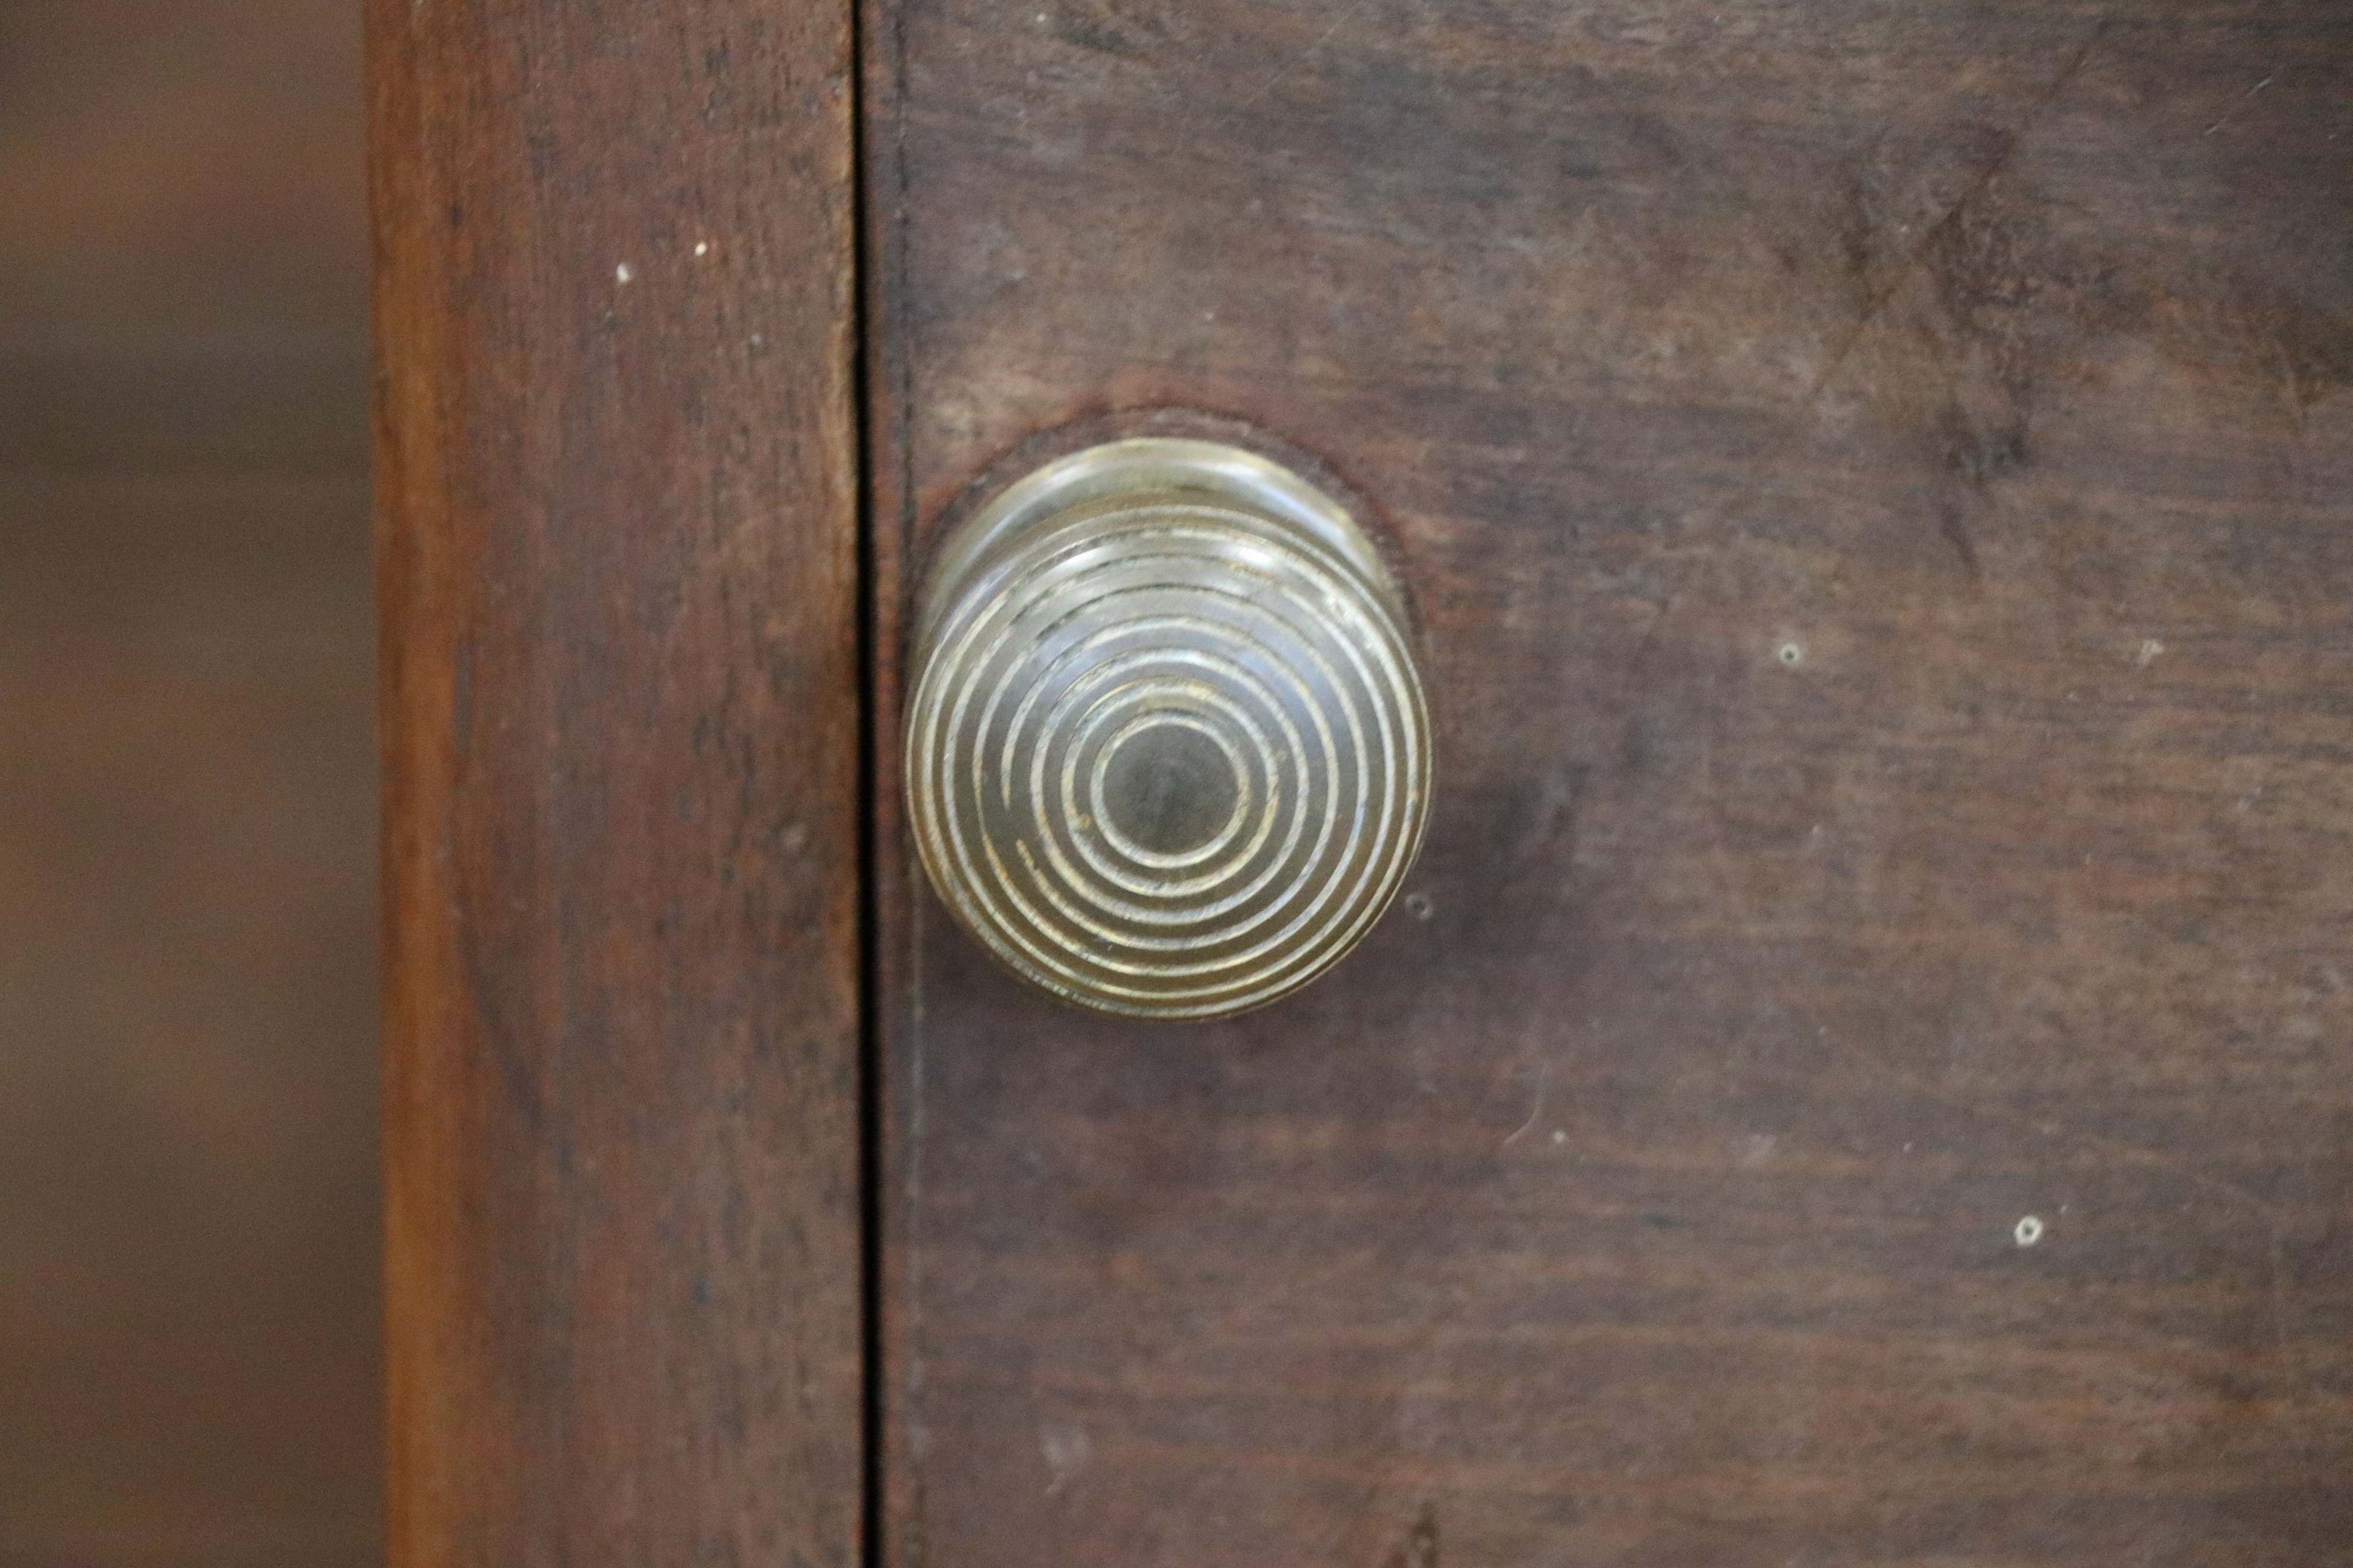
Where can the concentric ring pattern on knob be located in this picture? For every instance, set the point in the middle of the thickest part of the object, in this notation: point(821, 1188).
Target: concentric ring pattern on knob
point(1168, 753)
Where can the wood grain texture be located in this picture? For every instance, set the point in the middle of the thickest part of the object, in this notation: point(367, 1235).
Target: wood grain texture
point(1878, 484)
point(617, 565)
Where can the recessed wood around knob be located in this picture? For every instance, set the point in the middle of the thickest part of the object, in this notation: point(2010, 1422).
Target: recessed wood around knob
point(1168, 753)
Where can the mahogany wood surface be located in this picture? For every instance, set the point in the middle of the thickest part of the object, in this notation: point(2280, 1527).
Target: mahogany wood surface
point(1877, 482)
point(618, 557)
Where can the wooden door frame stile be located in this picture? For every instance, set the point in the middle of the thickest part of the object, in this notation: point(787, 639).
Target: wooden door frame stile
point(618, 460)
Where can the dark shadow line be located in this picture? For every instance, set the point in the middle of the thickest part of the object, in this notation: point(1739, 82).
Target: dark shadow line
point(870, 1545)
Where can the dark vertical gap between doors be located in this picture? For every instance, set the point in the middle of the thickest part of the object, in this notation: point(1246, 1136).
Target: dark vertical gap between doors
point(869, 1031)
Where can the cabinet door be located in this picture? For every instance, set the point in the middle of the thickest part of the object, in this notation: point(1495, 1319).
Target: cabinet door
point(1861, 1072)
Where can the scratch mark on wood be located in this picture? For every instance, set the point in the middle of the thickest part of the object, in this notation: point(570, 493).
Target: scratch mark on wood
point(1534, 1111)
point(1938, 231)
point(1302, 57)
point(2234, 112)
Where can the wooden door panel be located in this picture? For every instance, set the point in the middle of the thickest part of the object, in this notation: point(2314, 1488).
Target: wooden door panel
point(1874, 480)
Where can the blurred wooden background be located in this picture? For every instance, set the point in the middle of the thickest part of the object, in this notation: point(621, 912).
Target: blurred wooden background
point(188, 1200)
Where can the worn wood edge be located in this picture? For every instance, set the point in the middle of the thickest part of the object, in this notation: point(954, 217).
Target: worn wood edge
point(414, 711)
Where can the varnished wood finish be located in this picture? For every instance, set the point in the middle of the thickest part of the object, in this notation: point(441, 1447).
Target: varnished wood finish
point(1878, 482)
point(617, 565)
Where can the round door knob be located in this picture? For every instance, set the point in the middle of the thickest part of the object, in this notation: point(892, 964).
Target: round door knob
point(1167, 754)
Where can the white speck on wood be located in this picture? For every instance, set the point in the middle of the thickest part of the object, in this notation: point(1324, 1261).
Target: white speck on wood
point(1064, 1444)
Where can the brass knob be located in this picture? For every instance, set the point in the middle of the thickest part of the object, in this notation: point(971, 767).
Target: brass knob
point(1167, 754)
